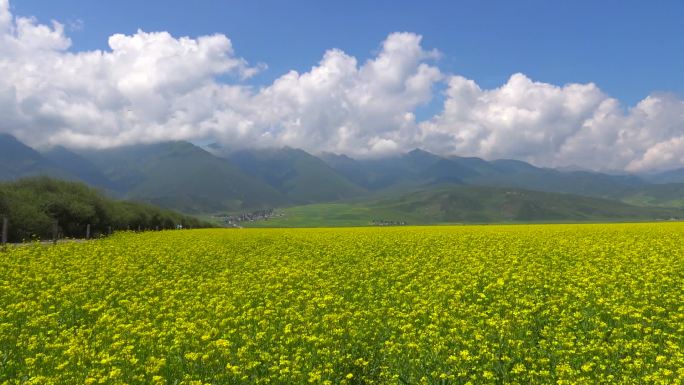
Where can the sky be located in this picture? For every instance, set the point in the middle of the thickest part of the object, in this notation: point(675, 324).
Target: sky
point(588, 84)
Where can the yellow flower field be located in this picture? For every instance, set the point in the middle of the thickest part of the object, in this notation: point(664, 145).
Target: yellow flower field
point(541, 304)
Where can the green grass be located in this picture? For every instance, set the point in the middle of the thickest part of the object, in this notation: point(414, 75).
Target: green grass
point(468, 204)
point(651, 199)
point(325, 215)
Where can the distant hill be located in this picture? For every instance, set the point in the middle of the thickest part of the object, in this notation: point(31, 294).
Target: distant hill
point(575, 182)
point(78, 166)
point(420, 168)
point(300, 176)
point(18, 160)
point(494, 204)
point(468, 204)
point(661, 195)
point(185, 177)
point(669, 176)
point(413, 169)
point(182, 176)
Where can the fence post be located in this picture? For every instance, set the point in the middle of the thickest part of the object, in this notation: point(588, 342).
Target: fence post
point(55, 230)
point(88, 231)
point(5, 229)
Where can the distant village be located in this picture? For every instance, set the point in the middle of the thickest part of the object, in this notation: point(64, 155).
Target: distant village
point(235, 220)
point(385, 222)
point(253, 216)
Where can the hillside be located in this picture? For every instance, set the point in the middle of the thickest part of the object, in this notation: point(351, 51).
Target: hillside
point(576, 182)
point(18, 160)
point(420, 168)
point(182, 176)
point(410, 170)
point(468, 204)
point(300, 176)
point(660, 195)
point(78, 166)
point(667, 176)
point(185, 177)
point(493, 204)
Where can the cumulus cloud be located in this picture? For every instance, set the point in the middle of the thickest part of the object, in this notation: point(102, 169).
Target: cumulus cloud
point(554, 126)
point(152, 86)
point(342, 106)
point(148, 87)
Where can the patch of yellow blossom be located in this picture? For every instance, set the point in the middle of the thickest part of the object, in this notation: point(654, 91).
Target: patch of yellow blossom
point(538, 304)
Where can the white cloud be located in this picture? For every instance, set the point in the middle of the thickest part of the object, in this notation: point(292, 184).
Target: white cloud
point(148, 87)
point(576, 124)
point(342, 106)
point(153, 86)
point(521, 119)
point(5, 16)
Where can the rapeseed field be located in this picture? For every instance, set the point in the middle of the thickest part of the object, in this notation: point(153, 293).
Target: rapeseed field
point(539, 304)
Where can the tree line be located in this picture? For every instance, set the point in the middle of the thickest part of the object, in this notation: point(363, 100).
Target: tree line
point(34, 205)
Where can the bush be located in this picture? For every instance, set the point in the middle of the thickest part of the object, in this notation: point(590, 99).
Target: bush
point(34, 204)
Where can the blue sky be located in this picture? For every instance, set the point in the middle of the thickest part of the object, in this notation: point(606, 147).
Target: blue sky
point(628, 48)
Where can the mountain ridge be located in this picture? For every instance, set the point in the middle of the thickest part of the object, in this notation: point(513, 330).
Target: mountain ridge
point(182, 176)
point(19, 160)
point(186, 177)
point(293, 172)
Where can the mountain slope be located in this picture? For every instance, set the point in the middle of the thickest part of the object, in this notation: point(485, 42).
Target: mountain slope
point(18, 160)
point(413, 169)
point(669, 176)
point(300, 176)
point(78, 166)
point(420, 168)
point(468, 204)
point(575, 182)
point(661, 195)
point(492, 204)
point(519, 174)
point(182, 176)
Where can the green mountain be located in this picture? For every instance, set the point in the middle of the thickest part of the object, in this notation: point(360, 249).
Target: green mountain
point(661, 195)
point(182, 176)
point(468, 204)
point(300, 176)
point(420, 168)
point(413, 169)
point(494, 204)
point(77, 166)
point(576, 182)
point(185, 177)
point(669, 176)
point(18, 160)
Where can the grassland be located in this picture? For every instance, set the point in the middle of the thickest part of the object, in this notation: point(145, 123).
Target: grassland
point(332, 215)
point(467, 204)
point(534, 304)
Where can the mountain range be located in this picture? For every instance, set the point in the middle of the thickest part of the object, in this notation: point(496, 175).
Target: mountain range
point(211, 179)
